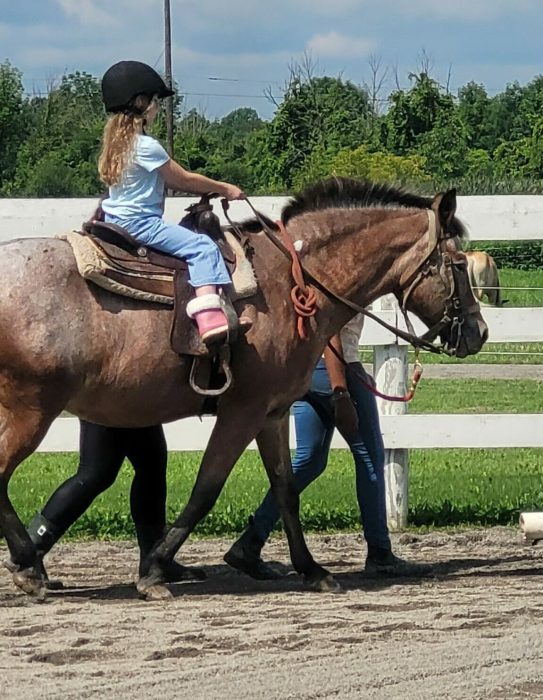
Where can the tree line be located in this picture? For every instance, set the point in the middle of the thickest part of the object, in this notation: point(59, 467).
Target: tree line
point(425, 137)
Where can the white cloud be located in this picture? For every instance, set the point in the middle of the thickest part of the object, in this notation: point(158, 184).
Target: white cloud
point(253, 42)
point(87, 12)
point(335, 45)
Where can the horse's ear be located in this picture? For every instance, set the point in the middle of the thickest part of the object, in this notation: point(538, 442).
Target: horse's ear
point(444, 205)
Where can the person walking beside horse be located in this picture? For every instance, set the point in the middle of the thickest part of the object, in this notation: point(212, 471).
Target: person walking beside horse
point(102, 451)
point(342, 399)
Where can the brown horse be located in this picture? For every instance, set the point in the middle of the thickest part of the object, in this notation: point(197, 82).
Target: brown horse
point(65, 344)
point(484, 277)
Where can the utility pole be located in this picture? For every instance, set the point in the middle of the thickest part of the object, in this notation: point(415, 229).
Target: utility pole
point(168, 76)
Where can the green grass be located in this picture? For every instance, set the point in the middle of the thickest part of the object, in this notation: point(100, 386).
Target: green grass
point(522, 278)
point(492, 354)
point(488, 396)
point(447, 487)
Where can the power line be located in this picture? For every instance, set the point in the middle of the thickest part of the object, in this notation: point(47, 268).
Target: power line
point(228, 94)
point(39, 93)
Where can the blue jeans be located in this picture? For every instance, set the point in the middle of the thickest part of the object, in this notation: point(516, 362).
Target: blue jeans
point(202, 255)
point(314, 421)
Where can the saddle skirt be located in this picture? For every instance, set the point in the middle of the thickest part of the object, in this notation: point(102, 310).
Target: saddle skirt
point(108, 256)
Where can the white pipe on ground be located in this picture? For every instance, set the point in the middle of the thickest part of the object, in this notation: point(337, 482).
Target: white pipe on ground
point(531, 525)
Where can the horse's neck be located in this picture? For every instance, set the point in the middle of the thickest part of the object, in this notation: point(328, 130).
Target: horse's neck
point(360, 254)
point(354, 254)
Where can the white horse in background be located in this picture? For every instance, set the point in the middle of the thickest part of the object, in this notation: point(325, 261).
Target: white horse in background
point(484, 277)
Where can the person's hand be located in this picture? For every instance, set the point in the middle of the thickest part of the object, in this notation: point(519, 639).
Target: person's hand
point(233, 192)
point(345, 415)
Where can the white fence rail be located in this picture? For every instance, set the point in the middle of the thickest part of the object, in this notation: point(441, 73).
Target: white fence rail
point(399, 432)
point(487, 218)
point(499, 218)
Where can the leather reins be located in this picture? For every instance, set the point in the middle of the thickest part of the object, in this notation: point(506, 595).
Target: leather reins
point(304, 299)
point(423, 341)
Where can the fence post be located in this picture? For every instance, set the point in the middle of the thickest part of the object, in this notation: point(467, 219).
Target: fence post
point(390, 369)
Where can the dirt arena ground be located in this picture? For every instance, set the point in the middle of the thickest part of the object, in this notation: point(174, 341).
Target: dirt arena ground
point(472, 630)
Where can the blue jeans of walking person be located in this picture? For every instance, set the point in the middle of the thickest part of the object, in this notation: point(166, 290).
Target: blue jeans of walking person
point(314, 420)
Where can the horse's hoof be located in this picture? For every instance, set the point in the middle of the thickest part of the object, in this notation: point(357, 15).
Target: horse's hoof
point(155, 593)
point(324, 584)
point(153, 590)
point(30, 583)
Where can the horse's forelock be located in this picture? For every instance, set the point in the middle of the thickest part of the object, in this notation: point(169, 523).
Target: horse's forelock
point(458, 230)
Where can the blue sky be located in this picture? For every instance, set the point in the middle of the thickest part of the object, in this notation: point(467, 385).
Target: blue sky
point(250, 44)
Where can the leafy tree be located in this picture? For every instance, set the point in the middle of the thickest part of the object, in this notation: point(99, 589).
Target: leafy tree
point(325, 113)
point(535, 155)
point(474, 110)
point(318, 165)
point(231, 137)
point(479, 164)
point(49, 145)
point(445, 147)
point(511, 158)
point(238, 125)
point(379, 166)
point(515, 110)
point(13, 122)
point(262, 164)
point(66, 131)
point(193, 141)
point(414, 113)
point(51, 176)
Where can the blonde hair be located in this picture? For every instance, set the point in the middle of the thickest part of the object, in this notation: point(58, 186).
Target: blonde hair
point(119, 139)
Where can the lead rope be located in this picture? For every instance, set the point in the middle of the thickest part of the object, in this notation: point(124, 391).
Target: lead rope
point(302, 295)
point(417, 374)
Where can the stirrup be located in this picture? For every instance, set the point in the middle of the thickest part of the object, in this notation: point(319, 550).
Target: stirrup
point(224, 360)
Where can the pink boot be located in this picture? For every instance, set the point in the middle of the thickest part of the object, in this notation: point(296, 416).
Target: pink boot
point(212, 323)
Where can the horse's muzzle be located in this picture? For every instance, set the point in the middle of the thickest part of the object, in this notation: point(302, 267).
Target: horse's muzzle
point(466, 338)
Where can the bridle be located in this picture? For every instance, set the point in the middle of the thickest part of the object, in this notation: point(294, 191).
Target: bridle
point(446, 266)
point(450, 268)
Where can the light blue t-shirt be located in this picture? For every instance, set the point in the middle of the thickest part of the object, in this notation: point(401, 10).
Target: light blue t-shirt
point(141, 192)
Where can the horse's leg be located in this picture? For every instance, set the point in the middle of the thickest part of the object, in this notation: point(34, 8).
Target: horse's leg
point(273, 444)
point(233, 431)
point(21, 432)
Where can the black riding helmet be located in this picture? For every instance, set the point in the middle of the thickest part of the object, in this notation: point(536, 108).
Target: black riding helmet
point(126, 80)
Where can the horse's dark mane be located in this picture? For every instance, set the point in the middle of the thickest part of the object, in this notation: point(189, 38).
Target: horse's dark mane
point(346, 193)
point(253, 225)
